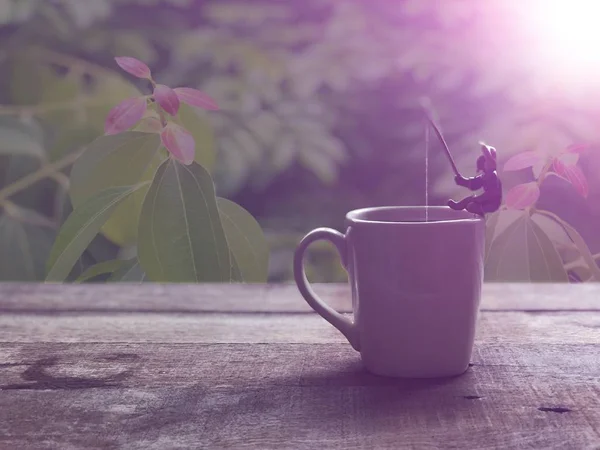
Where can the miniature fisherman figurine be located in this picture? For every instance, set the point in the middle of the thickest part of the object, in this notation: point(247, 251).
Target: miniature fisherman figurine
point(487, 178)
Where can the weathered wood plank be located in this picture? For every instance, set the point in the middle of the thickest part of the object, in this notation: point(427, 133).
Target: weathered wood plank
point(154, 366)
point(507, 327)
point(64, 366)
point(338, 417)
point(16, 297)
point(291, 396)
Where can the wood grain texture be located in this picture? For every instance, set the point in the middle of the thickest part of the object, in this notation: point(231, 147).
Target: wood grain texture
point(15, 297)
point(507, 327)
point(217, 366)
point(139, 396)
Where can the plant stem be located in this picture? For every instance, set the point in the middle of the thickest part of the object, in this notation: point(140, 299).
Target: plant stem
point(565, 246)
point(544, 172)
point(532, 209)
point(161, 114)
point(575, 264)
point(159, 110)
point(70, 61)
point(43, 172)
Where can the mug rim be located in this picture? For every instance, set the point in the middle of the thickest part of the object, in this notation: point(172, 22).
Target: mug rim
point(354, 216)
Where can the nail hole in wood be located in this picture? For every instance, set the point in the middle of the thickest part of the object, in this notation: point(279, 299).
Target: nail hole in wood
point(559, 410)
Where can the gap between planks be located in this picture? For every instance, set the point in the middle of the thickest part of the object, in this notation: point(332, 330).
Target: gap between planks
point(504, 327)
point(262, 298)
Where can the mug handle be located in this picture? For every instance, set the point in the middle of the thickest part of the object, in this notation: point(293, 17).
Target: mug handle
point(343, 324)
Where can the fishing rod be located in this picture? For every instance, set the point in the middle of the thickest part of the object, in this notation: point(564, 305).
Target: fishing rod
point(441, 137)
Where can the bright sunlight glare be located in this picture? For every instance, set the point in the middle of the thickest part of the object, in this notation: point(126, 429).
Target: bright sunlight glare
point(567, 33)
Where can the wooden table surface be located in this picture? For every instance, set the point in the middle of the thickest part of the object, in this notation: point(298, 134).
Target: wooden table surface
point(225, 366)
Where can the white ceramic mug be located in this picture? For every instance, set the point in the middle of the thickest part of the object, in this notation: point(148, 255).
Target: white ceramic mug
point(416, 287)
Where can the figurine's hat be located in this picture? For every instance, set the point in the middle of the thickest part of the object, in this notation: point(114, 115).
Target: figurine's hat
point(489, 152)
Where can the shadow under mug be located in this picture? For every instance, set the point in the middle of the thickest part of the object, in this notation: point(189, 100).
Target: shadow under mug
point(416, 278)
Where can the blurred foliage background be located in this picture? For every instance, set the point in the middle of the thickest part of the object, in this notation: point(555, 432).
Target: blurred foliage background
point(319, 107)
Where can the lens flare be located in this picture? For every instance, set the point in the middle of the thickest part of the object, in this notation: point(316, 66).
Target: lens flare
point(567, 34)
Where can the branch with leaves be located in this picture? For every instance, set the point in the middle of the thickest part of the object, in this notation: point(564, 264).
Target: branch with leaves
point(182, 231)
point(534, 243)
point(143, 184)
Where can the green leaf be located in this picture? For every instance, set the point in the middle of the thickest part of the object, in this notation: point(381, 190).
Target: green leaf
point(24, 248)
point(498, 222)
point(58, 88)
point(124, 159)
point(197, 124)
point(83, 119)
point(180, 236)
point(15, 12)
point(75, 105)
point(67, 102)
point(80, 228)
point(129, 272)
point(553, 229)
point(246, 241)
point(17, 138)
point(101, 268)
point(523, 252)
point(236, 274)
point(69, 139)
point(61, 92)
point(112, 161)
point(579, 242)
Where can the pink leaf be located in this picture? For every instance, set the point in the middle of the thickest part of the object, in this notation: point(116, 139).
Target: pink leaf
point(125, 115)
point(166, 98)
point(522, 195)
point(133, 66)
point(179, 142)
point(194, 97)
point(573, 175)
point(523, 160)
point(577, 148)
point(566, 159)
